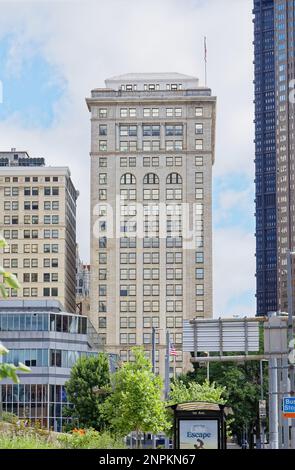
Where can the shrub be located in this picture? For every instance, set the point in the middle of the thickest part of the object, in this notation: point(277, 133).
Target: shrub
point(89, 439)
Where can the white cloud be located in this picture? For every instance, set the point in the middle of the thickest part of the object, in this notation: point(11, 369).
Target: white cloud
point(234, 267)
point(87, 41)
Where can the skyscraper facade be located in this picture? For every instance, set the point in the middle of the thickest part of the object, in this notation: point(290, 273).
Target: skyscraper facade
point(284, 20)
point(274, 48)
point(152, 151)
point(38, 222)
point(265, 157)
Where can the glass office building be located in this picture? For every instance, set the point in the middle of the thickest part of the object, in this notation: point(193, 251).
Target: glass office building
point(49, 341)
point(274, 49)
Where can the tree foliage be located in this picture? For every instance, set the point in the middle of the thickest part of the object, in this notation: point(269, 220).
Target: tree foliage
point(181, 392)
point(87, 373)
point(9, 371)
point(242, 390)
point(135, 403)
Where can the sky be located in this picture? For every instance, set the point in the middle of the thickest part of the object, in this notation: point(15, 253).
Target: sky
point(53, 53)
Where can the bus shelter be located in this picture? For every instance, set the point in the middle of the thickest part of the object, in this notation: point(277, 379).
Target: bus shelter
point(200, 425)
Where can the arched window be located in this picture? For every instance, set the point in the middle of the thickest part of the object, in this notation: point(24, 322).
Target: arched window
point(128, 178)
point(151, 178)
point(174, 178)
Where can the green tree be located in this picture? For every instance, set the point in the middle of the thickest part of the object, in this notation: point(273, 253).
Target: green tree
point(181, 392)
point(242, 390)
point(87, 373)
point(135, 403)
point(8, 371)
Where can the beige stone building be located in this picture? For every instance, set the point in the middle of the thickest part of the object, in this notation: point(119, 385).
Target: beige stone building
point(38, 221)
point(82, 285)
point(152, 151)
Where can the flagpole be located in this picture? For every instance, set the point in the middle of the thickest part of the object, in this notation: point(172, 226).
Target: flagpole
point(205, 59)
point(174, 364)
point(167, 377)
point(167, 365)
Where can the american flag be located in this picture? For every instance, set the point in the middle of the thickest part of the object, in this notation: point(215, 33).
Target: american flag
point(172, 350)
point(205, 48)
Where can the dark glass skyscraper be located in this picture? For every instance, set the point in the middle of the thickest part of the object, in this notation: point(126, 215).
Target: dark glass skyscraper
point(274, 48)
point(265, 156)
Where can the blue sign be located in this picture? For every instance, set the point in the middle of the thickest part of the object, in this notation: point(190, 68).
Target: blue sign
point(289, 405)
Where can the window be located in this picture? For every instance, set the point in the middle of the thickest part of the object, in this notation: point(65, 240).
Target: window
point(151, 194)
point(128, 290)
point(151, 145)
point(128, 146)
point(169, 145)
point(102, 306)
point(102, 258)
point(102, 162)
point(153, 131)
point(199, 273)
point(173, 194)
point(199, 193)
point(127, 274)
point(174, 257)
point(123, 112)
point(199, 290)
point(199, 178)
point(178, 145)
point(199, 305)
point(102, 194)
point(102, 322)
point(174, 178)
point(128, 258)
point(198, 111)
point(151, 273)
point(128, 178)
point(199, 144)
point(151, 258)
point(128, 194)
point(123, 338)
point(130, 131)
point(102, 145)
point(151, 178)
point(173, 130)
point(199, 128)
point(102, 113)
point(102, 178)
point(55, 191)
point(199, 257)
point(127, 242)
point(102, 274)
point(199, 161)
point(102, 129)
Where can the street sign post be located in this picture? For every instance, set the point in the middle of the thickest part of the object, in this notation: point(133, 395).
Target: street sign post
point(289, 407)
point(262, 409)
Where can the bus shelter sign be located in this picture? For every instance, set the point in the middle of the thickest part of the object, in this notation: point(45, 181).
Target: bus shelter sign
point(198, 434)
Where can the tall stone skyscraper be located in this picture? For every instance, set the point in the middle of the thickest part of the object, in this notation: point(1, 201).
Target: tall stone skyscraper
point(152, 151)
point(274, 155)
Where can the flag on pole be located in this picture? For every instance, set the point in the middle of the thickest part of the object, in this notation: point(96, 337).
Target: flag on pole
point(172, 349)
